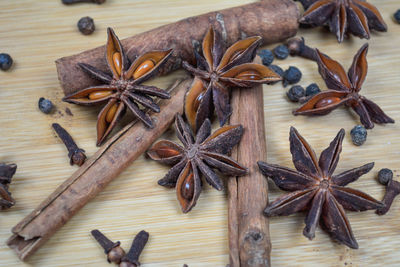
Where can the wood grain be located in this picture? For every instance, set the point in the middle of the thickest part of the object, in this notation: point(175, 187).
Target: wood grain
point(36, 33)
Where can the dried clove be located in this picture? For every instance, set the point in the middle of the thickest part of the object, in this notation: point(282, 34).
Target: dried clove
point(113, 250)
point(132, 258)
point(385, 177)
point(70, 2)
point(7, 171)
point(298, 47)
point(76, 155)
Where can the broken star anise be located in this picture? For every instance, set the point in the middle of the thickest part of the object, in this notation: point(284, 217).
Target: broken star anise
point(7, 171)
point(344, 89)
point(122, 89)
point(314, 188)
point(357, 17)
point(198, 154)
point(216, 71)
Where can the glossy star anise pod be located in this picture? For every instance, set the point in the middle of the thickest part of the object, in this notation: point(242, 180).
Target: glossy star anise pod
point(7, 171)
point(314, 188)
point(122, 89)
point(197, 156)
point(218, 70)
point(357, 17)
point(344, 89)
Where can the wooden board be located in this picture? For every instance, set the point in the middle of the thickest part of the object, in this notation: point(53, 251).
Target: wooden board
point(36, 33)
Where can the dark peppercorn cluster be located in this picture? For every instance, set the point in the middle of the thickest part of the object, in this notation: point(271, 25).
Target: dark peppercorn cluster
point(385, 175)
point(266, 56)
point(5, 61)
point(281, 52)
point(86, 25)
point(45, 105)
point(295, 93)
point(358, 135)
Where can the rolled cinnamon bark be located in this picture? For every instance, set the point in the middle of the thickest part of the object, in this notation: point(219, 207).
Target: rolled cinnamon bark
point(273, 20)
point(90, 179)
point(249, 238)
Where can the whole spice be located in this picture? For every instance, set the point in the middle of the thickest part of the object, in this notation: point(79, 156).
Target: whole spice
point(6, 61)
point(397, 16)
point(278, 70)
point(122, 89)
point(199, 153)
point(343, 17)
point(267, 57)
point(76, 155)
point(385, 177)
point(281, 52)
point(312, 89)
point(86, 25)
point(314, 187)
point(7, 171)
point(45, 105)
point(90, 179)
point(295, 93)
point(233, 23)
point(70, 2)
point(217, 71)
point(291, 76)
point(113, 250)
point(297, 47)
point(132, 258)
point(344, 89)
point(358, 135)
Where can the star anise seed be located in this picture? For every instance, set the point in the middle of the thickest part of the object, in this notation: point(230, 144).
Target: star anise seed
point(344, 89)
point(122, 89)
point(197, 156)
point(356, 17)
point(216, 71)
point(7, 171)
point(314, 188)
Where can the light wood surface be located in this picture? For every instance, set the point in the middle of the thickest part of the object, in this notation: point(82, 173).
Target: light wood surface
point(36, 33)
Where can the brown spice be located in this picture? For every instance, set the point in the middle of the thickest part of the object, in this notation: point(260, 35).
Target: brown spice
point(113, 250)
point(131, 259)
point(314, 188)
point(7, 171)
point(76, 155)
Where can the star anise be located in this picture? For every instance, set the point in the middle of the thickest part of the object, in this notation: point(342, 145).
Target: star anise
point(122, 89)
point(7, 171)
point(344, 89)
point(357, 17)
point(217, 71)
point(314, 188)
point(199, 154)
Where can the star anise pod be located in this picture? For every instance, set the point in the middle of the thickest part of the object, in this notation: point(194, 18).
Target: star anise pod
point(344, 89)
point(7, 171)
point(199, 154)
point(357, 17)
point(216, 71)
point(122, 89)
point(314, 188)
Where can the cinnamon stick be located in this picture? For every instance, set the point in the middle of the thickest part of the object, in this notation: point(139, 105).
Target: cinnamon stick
point(273, 20)
point(108, 162)
point(249, 239)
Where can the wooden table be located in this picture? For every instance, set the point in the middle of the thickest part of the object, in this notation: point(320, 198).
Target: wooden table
point(36, 33)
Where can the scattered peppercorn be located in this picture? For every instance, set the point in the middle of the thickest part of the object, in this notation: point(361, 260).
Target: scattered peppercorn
point(6, 61)
point(312, 89)
point(291, 76)
point(281, 52)
point(86, 25)
point(266, 56)
point(397, 16)
point(358, 135)
point(385, 175)
point(295, 93)
point(45, 105)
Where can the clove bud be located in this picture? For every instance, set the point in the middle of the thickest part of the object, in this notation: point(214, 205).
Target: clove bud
point(113, 250)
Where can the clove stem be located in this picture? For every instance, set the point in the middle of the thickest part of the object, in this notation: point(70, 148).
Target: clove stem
point(136, 249)
point(392, 190)
point(70, 2)
point(297, 47)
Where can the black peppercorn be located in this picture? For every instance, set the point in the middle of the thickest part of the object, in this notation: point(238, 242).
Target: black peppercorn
point(385, 175)
point(278, 70)
point(295, 93)
point(86, 25)
point(266, 56)
point(291, 76)
point(397, 16)
point(5, 61)
point(281, 52)
point(45, 105)
point(312, 89)
point(358, 135)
